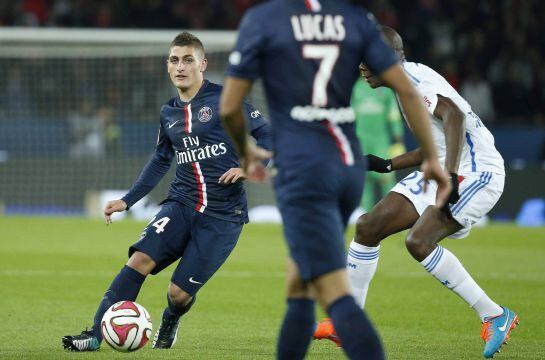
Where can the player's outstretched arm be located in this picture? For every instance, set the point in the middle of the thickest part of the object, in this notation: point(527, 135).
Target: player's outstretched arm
point(113, 206)
point(417, 117)
point(153, 172)
point(404, 161)
point(408, 160)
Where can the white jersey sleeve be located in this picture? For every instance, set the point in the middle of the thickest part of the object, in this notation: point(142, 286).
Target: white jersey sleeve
point(478, 153)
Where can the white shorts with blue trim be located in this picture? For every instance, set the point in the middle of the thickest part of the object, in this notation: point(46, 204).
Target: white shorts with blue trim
point(479, 192)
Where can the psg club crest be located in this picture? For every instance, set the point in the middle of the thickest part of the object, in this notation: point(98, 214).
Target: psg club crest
point(205, 114)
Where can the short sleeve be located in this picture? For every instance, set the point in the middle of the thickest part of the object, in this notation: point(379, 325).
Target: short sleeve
point(244, 60)
point(254, 116)
point(377, 55)
point(260, 128)
point(429, 96)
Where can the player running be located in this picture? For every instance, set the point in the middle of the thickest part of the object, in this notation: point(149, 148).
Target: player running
point(307, 52)
point(203, 214)
point(466, 150)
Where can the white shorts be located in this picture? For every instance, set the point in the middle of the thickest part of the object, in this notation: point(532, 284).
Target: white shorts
point(479, 192)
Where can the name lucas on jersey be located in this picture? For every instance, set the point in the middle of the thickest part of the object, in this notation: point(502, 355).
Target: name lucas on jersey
point(199, 153)
point(318, 27)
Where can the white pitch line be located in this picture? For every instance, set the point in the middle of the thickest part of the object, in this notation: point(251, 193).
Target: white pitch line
point(103, 273)
point(257, 274)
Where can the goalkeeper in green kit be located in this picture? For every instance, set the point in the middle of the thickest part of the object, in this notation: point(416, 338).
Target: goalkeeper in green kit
point(380, 130)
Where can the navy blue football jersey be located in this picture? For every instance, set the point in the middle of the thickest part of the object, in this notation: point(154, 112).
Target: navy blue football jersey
point(307, 52)
point(191, 133)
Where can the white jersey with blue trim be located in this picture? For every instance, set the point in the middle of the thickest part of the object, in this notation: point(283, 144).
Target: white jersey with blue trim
point(478, 153)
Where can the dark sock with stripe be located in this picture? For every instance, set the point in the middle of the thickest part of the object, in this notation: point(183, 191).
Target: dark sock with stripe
point(297, 329)
point(125, 286)
point(358, 337)
point(174, 312)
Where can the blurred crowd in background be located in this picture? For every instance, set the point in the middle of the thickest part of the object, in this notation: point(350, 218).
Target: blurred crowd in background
point(58, 112)
point(491, 51)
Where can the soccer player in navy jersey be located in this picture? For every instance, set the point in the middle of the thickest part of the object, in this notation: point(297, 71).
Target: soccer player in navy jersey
point(308, 52)
point(203, 214)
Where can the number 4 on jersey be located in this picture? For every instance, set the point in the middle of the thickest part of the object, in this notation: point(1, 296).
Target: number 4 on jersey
point(327, 54)
point(160, 224)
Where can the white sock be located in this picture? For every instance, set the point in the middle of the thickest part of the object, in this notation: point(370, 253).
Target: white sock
point(361, 264)
point(446, 268)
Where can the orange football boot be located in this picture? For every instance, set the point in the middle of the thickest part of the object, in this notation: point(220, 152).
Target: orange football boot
point(325, 330)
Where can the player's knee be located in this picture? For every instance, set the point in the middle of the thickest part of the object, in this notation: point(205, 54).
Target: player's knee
point(141, 262)
point(368, 230)
point(417, 245)
point(297, 289)
point(179, 297)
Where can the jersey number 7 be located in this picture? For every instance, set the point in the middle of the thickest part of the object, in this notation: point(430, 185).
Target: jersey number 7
point(327, 54)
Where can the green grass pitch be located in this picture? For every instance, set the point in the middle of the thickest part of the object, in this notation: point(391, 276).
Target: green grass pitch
point(54, 271)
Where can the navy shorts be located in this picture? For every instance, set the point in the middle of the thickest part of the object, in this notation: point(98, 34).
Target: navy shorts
point(202, 242)
point(316, 205)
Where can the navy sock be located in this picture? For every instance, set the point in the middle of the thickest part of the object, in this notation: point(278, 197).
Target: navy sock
point(358, 337)
point(172, 311)
point(297, 329)
point(125, 286)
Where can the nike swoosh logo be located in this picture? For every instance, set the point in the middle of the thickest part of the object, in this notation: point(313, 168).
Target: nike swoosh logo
point(193, 281)
point(174, 123)
point(504, 325)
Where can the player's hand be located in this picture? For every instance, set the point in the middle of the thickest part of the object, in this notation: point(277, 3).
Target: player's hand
point(433, 171)
point(112, 207)
point(454, 194)
point(252, 164)
point(378, 164)
point(232, 176)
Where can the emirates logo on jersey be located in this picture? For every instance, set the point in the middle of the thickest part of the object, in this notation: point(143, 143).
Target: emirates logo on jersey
point(205, 114)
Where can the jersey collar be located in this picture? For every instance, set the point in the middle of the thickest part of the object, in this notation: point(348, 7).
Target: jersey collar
point(181, 103)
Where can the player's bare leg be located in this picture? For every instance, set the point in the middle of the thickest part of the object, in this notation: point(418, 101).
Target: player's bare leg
point(179, 303)
point(125, 286)
point(141, 262)
point(392, 214)
point(433, 226)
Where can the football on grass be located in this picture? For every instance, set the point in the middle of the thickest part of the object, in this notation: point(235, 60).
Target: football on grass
point(126, 326)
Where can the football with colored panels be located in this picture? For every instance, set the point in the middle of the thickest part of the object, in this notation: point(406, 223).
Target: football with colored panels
point(126, 326)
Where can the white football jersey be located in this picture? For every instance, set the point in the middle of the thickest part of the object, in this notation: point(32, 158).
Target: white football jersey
point(479, 153)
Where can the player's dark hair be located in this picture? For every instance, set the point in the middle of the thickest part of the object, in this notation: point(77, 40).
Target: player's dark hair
point(188, 39)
